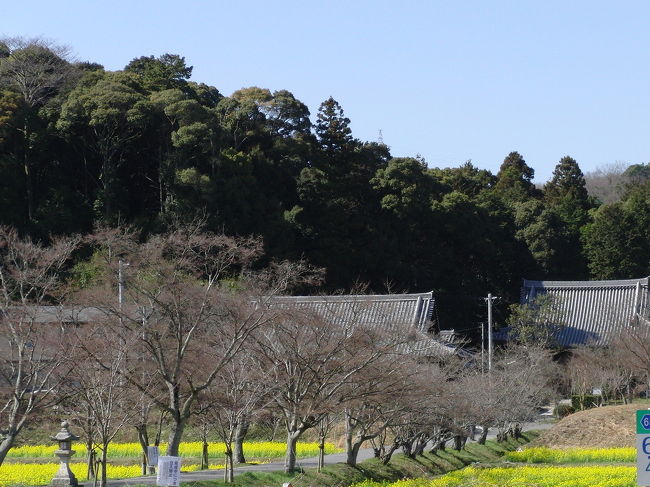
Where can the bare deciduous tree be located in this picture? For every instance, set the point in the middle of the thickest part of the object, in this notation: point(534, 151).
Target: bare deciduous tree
point(103, 400)
point(190, 303)
point(314, 363)
point(238, 392)
point(373, 409)
point(35, 348)
point(524, 378)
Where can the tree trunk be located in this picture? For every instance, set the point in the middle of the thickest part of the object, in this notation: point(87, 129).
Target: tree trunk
point(90, 460)
point(388, 455)
point(458, 442)
point(104, 457)
point(143, 439)
point(321, 454)
point(6, 444)
point(229, 475)
point(290, 458)
point(483, 437)
point(407, 448)
point(420, 444)
point(175, 435)
point(351, 447)
point(231, 469)
point(501, 436)
point(240, 434)
point(204, 455)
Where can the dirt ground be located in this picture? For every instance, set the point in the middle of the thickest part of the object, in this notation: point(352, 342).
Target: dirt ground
point(604, 427)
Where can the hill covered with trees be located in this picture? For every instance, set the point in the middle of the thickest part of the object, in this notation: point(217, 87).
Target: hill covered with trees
point(82, 147)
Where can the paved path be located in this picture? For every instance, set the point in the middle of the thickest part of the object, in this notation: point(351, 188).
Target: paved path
point(304, 463)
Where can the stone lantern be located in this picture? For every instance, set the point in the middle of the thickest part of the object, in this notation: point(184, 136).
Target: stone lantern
point(64, 477)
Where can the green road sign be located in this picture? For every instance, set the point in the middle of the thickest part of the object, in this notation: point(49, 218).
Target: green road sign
point(643, 421)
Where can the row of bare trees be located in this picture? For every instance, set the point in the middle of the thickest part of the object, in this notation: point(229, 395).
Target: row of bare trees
point(615, 374)
point(197, 337)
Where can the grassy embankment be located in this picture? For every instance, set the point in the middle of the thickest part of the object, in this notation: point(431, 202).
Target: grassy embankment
point(400, 467)
point(539, 467)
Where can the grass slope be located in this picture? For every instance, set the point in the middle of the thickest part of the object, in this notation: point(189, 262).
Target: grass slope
point(400, 467)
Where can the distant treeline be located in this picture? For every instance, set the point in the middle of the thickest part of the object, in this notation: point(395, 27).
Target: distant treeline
point(82, 147)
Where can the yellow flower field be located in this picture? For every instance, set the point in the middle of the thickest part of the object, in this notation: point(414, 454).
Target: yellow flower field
point(13, 473)
point(253, 450)
point(573, 455)
point(42, 473)
point(526, 476)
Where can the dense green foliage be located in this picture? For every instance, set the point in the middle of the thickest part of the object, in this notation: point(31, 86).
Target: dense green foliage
point(81, 147)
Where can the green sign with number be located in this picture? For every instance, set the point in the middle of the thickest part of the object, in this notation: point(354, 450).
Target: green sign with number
point(643, 422)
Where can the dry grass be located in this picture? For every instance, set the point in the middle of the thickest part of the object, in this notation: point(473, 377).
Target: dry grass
point(605, 427)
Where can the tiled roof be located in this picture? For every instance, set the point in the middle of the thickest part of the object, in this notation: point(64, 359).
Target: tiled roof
point(591, 311)
point(376, 311)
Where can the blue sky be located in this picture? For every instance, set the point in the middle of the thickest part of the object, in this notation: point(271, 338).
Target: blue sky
point(449, 80)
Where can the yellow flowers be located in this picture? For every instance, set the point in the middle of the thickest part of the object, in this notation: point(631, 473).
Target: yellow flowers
point(573, 455)
point(42, 473)
point(257, 450)
point(540, 475)
point(526, 476)
point(13, 473)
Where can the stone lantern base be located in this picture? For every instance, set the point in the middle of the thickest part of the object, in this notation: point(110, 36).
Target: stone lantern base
point(64, 477)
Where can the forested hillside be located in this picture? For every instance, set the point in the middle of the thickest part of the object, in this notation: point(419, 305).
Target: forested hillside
point(82, 147)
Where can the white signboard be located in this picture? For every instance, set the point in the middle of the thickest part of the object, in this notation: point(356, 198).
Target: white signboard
point(169, 471)
point(643, 447)
point(152, 456)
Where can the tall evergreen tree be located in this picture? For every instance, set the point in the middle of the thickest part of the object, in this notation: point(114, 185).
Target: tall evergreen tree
point(567, 193)
point(515, 179)
point(566, 196)
point(334, 135)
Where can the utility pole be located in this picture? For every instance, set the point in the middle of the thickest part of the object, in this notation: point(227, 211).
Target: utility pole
point(120, 283)
point(482, 348)
point(489, 300)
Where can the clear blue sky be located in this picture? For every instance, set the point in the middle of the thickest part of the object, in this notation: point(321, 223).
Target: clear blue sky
point(449, 80)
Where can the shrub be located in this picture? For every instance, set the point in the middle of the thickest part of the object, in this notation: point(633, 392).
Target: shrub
point(563, 410)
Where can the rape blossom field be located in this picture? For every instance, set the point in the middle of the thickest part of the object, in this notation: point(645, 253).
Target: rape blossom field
point(573, 455)
point(526, 476)
point(15, 473)
point(41, 473)
point(549, 475)
point(253, 450)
